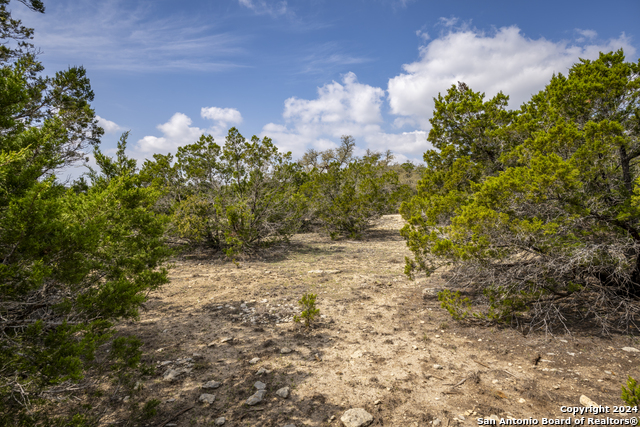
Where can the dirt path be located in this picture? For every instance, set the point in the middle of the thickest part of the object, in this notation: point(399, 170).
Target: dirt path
point(380, 345)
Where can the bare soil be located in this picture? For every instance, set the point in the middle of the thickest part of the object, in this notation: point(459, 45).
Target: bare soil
point(383, 344)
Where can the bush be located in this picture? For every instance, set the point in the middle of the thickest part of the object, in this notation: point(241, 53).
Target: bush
point(74, 260)
point(308, 303)
point(346, 193)
point(538, 207)
point(234, 198)
point(631, 396)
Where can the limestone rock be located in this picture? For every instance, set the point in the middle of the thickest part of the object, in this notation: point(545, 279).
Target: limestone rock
point(220, 421)
point(211, 384)
point(254, 360)
point(585, 401)
point(631, 349)
point(283, 392)
point(172, 374)
point(260, 385)
point(285, 350)
point(207, 398)
point(256, 397)
point(356, 417)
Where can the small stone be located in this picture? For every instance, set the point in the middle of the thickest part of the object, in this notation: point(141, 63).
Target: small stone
point(356, 417)
point(262, 371)
point(207, 398)
point(631, 349)
point(436, 366)
point(283, 392)
point(220, 421)
point(256, 397)
point(556, 387)
point(585, 401)
point(226, 339)
point(436, 422)
point(461, 417)
point(437, 336)
point(172, 374)
point(285, 350)
point(126, 399)
point(254, 360)
point(211, 384)
point(356, 354)
point(521, 400)
point(211, 344)
point(260, 385)
point(170, 400)
point(377, 402)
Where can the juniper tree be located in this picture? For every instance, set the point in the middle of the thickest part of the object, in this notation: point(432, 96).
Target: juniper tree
point(538, 207)
point(72, 261)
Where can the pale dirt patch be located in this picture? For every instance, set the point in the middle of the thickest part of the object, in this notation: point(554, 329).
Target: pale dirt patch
point(379, 340)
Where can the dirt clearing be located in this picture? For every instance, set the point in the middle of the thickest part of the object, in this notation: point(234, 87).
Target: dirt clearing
point(382, 343)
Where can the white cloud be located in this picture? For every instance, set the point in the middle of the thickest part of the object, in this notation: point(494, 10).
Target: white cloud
point(177, 132)
point(347, 108)
point(504, 61)
point(222, 116)
point(107, 125)
point(423, 35)
point(261, 7)
point(351, 104)
point(448, 22)
point(590, 34)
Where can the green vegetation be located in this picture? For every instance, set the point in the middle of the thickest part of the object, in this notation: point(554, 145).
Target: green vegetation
point(537, 208)
point(308, 304)
point(346, 193)
point(631, 396)
point(74, 260)
point(235, 198)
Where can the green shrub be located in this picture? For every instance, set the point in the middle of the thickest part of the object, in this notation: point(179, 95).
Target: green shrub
point(631, 396)
point(235, 198)
point(541, 205)
point(458, 307)
point(346, 193)
point(309, 312)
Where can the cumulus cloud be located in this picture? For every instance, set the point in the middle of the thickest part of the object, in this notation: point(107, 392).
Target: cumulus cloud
point(222, 116)
point(345, 108)
point(107, 125)
point(504, 60)
point(178, 130)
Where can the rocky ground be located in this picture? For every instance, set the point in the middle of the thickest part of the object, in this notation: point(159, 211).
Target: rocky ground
point(227, 353)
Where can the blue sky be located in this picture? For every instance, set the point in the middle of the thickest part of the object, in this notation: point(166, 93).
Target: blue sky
point(306, 72)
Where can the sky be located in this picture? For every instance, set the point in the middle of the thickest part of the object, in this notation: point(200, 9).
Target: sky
point(306, 72)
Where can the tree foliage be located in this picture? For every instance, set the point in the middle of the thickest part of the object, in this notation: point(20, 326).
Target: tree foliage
point(346, 192)
point(537, 208)
point(235, 198)
point(72, 262)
